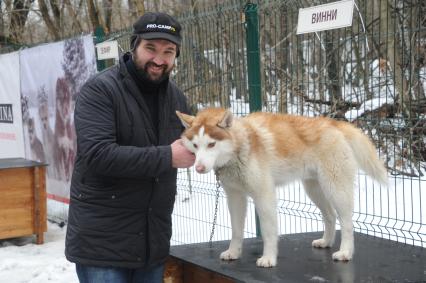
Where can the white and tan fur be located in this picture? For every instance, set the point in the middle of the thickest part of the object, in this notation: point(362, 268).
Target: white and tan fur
point(254, 154)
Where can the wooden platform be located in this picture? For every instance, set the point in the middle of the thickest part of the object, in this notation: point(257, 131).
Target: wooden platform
point(375, 260)
point(23, 199)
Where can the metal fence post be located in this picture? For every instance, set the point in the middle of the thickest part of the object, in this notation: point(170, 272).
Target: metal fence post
point(99, 37)
point(253, 57)
point(253, 67)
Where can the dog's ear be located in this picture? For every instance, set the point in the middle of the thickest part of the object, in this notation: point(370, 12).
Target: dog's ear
point(185, 119)
point(226, 121)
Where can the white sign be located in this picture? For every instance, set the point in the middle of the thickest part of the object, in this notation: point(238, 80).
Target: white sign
point(11, 132)
point(324, 17)
point(107, 50)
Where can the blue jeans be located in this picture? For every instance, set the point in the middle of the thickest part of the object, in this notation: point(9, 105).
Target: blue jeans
point(94, 274)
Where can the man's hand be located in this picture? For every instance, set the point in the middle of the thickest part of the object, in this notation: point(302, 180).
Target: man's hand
point(181, 156)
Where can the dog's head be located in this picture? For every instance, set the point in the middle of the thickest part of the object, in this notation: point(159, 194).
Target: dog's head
point(208, 136)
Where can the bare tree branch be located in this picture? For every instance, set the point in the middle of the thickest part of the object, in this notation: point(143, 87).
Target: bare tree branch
point(93, 14)
point(19, 15)
point(56, 12)
point(52, 28)
point(107, 7)
point(76, 25)
point(140, 6)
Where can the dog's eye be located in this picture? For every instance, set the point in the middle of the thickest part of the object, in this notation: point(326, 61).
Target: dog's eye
point(212, 144)
point(195, 145)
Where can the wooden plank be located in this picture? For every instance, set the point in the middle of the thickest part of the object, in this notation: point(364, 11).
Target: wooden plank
point(16, 232)
point(15, 223)
point(16, 198)
point(178, 271)
point(10, 191)
point(196, 274)
point(15, 214)
point(15, 178)
point(26, 201)
point(43, 199)
point(39, 203)
point(173, 271)
point(16, 218)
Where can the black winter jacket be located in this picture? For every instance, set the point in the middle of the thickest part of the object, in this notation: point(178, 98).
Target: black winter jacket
point(123, 185)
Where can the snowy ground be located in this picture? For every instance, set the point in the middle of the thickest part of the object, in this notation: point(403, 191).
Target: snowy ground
point(22, 261)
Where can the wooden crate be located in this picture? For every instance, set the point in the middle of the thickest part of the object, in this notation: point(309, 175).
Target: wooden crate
point(23, 199)
point(179, 271)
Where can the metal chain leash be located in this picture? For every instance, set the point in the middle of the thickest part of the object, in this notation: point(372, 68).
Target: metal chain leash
point(215, 210)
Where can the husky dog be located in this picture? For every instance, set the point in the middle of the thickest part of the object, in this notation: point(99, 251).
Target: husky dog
point(254, 154)
point(64, 129)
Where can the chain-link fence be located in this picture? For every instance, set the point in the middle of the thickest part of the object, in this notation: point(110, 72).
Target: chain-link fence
point(371, 74)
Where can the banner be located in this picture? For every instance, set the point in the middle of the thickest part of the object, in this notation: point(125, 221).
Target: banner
point(51, 77)
point(11, 138)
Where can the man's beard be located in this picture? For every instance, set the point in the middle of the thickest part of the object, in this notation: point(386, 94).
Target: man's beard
point(146, 75)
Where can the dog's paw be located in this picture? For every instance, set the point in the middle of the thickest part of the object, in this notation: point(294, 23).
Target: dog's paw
point(266, 261)
point(230, 255)
point(342, 255)
point(321, 243)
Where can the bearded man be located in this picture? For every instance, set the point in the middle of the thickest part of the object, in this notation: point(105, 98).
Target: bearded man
point(128, 150)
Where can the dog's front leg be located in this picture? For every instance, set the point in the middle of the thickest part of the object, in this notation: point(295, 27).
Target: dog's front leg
point(265, 202)
point(237, 206)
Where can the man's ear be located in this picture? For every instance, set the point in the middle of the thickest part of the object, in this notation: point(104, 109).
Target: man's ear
point(185, 119)
point(226, 121)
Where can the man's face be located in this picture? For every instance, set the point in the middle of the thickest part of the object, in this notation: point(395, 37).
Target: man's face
point(156, 58)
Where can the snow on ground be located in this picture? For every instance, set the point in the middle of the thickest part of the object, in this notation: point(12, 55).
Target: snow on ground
point(22, 261)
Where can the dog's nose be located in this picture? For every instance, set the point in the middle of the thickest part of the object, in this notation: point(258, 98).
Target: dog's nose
point(200, 168)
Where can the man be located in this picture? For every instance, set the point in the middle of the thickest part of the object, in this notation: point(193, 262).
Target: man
point(128, 148)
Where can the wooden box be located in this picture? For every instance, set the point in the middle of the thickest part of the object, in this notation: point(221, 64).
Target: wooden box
point(23, 199)
point(181, 271)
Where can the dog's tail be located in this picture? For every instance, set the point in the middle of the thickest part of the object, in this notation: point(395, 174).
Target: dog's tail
point(365, 153)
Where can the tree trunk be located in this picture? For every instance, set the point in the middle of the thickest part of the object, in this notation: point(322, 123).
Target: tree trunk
point(418, 50)
point(137, 8)
point(362, 47)
point(107, 7)
point(200, 66)
point(157, 5)
point(140, 5)
point(93, 14)
point(226, 78)
point(282, 58)
point(394, 53)
point(333, 69)
point(51, 27)
point(56, 11)
point(18, 19)
point(75, 25)
point(132, 10)
point(2, 29)
point(296, 67)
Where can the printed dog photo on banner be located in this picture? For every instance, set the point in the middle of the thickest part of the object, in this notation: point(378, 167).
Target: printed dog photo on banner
point(51, 76)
